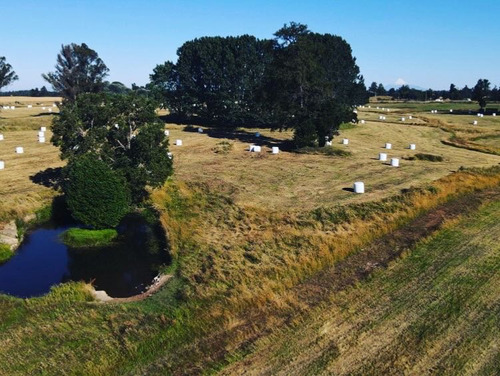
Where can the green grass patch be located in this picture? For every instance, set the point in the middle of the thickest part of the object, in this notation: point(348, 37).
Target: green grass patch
point(325, 150)
point(426, 157)
point(345, 126)
point(82, 238)
point(5, 253)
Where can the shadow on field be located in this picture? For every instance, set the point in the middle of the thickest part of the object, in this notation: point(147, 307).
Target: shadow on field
point(51, 177)
point(43, 114)
point(348, 189)
point(244, 136)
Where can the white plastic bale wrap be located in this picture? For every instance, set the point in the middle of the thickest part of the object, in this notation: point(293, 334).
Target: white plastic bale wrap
point(359, 187)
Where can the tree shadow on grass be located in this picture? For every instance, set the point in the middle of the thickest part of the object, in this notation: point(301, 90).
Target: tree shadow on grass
point(50, 178)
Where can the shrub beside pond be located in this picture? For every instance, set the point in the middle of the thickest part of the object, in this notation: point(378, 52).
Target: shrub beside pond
point(80, 238)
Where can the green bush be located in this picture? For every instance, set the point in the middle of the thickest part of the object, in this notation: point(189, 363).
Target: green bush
point(325, 150)
point(78, 237)
point(426, 157)
point(96, 195)
point(5, 253)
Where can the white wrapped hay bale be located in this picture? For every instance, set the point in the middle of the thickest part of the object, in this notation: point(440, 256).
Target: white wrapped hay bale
point(394, 162)
point(410, 117)
point(328, 143)
point(494, 114)
point(275, 150)
point(170, 155)
point(451, 110)
point(167, 133)
point(255, 148)
point(2, 165)
point(413, 147)
point(359, 187)
point(41, 134)
point(474, 122)
point(382, 156)
point(345, 141)
point(388, 145)
point(178, 142)
point(200, 130)
point(403, 119)
point(362, 121)
point(19, 150)
point(43, 129)
point(1, 137)
point(41, 140)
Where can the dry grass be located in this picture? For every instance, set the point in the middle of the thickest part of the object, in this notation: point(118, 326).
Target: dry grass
point(20, 195)
point(433, 312)
point(293, 181)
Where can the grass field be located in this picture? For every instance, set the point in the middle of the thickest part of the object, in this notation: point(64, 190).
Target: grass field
point(436, 311)
point(20, 195)
point(247, 232)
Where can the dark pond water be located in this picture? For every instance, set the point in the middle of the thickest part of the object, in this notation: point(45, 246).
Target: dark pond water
point(123, 269)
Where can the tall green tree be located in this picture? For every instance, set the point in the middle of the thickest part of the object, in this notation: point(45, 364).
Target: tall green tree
point(121, 130)
point(78, 70)
point(312, 79)
point(481, 91)
point(7, 74)
point(216, 79)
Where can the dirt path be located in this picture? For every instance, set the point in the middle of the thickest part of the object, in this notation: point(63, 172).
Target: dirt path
point(379, 253)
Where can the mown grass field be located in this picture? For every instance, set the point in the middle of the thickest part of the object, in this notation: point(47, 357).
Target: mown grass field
point(435, 311)
point(247, 231)
point(20, 195)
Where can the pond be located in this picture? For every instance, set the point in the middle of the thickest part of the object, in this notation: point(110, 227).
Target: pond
point(124, 268)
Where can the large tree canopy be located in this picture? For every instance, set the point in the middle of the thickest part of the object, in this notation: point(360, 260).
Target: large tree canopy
point(299, 79)
point(313, 82)
point(7, 74)
point(217, 79)
point(78, 70)
point(121, 130)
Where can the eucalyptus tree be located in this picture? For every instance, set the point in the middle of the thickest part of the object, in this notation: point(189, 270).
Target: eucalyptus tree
point(78, 70)
point(7, 74)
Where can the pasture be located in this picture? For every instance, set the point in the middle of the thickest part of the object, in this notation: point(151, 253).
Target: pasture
point(287, 181)
point(20, 194)
point(247, 232)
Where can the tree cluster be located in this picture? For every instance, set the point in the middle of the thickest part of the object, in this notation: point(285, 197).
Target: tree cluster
point(112, 137)
point(302, 80)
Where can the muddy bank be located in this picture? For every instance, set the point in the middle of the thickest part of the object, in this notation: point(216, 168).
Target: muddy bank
point(158, 282)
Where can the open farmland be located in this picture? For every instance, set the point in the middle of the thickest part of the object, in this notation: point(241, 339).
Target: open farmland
point(435, 311)
point(295, 181)
point(20, 195)
point(247, 232)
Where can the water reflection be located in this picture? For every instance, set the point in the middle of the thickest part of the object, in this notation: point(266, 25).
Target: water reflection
point(123, 269)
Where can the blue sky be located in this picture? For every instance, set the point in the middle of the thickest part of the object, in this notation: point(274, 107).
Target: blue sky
point(424, 43)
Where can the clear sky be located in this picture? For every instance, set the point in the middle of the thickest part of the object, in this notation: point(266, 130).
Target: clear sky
point(425, 43)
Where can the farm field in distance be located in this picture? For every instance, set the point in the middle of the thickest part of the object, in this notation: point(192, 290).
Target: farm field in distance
point(248, 230)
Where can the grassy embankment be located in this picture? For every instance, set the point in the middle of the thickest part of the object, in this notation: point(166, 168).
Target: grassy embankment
point(79, 237)
point(245, 230)
point(435, 311)
point(5, 253)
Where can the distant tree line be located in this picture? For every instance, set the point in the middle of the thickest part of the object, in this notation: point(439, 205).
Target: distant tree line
point(481, 92)
point(301, 80)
